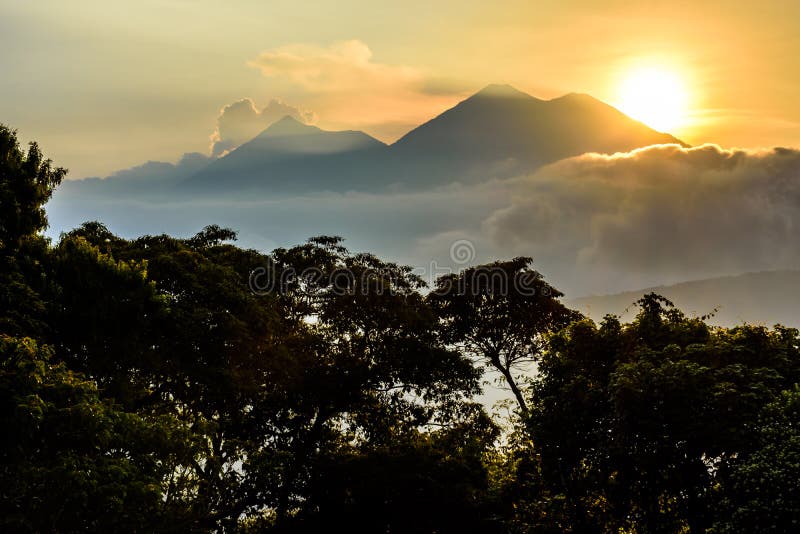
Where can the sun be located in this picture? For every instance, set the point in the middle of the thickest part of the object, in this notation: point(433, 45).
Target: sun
point(654, 96)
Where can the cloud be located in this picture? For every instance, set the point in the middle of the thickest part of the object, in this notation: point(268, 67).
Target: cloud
point(657, 215)
point(349, 88)
point(240, 121)
point(343, 66)
point(416, 228)
point(593, 224)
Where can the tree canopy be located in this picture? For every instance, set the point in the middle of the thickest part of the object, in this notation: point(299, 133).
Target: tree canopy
point(167, 383)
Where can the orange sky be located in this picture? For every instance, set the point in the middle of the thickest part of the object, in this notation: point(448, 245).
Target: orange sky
point(106, 85)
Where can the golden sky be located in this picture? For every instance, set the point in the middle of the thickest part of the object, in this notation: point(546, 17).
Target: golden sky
point(107, 85)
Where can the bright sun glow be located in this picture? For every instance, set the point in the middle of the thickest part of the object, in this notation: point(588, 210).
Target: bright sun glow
point(655, 97)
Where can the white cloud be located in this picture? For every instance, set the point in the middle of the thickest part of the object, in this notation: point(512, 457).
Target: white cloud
point(242, 120)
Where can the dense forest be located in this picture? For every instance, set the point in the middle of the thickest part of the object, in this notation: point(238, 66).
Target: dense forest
point(173, 385)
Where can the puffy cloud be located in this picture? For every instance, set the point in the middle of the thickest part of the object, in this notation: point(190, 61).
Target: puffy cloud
point(242, 120)
point(343, 66)
point(344, 83)
point(657, 215)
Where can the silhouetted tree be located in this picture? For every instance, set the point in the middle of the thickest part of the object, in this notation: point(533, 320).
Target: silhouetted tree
point(499, 313)
point(71, 461)
point(382, 375)
point(759, 490)
point(633, 424)
point(186, 384)
point(27, 181)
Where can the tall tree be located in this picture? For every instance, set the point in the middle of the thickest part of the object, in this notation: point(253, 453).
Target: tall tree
point(336, 356)
point(27, 180)
point(634, 424)
point(499, 314)
point(760, 491)
point(379, 373)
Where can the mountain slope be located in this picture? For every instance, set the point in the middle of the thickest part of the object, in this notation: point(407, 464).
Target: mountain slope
point(497, 133)
point(290, 156)
point(150, 180)
point(766, 298)
point(502, 131)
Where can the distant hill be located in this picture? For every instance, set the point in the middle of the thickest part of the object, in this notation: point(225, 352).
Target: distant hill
point(766, 298)
point(152, 180)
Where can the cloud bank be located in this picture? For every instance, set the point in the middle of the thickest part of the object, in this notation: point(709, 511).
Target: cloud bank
point(593, 224)
point(658, 214)
point(240, 121)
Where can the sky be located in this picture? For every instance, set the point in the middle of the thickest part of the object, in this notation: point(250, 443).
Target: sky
point(107, 85)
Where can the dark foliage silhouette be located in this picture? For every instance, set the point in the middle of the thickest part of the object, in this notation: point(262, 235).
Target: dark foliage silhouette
point(151, 385)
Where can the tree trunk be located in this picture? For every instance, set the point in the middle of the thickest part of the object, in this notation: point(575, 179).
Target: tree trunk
point(506, 372)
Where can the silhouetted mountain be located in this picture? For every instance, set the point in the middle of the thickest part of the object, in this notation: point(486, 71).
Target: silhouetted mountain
point(767, 298)
point(153, 179)
point(291, 156)
point(496, 133)
point(501, 131)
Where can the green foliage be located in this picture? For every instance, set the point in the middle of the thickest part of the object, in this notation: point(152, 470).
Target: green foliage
point(71, 461)
point(340, 359)
point(101, 318)
point(27, 181)
point(636, 424)
point(498, 313)
point(760, 492)
point(166, 384)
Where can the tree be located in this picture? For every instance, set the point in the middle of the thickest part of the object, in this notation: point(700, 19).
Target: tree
point(336, 358)
point(636, 424)
point(197, 343)
point(499, 314)
point(760, 491)
point(422, 482)
point(165, 383)
point(261, 394)
point(71, 461)
point(380, 373)
point(70, 458)
point(27, 181)
point(102, 317)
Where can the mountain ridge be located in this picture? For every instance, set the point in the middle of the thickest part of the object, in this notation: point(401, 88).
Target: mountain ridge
point(518, 133)
point(294, 155)
point(496, 133)
point(765, 297)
